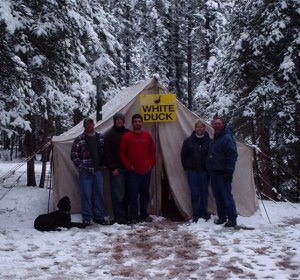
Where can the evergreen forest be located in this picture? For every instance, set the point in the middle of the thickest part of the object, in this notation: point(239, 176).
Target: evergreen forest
point(60, 60)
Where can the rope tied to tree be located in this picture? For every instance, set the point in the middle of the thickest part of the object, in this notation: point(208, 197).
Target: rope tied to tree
point(12, 171)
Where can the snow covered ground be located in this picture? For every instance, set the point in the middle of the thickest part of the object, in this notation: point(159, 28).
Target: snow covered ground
point(159, 250)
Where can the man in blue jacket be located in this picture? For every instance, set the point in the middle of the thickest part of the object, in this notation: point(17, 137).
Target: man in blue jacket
point(222, 157)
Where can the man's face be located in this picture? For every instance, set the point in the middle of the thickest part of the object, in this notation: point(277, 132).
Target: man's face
point(119, 122)
point(218, 125)
point(89, 127)
point(137, 124)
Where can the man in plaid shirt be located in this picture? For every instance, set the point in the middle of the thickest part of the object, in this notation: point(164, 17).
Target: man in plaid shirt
point(87, 155)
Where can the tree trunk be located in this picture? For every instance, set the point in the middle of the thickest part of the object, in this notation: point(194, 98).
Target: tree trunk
point(189, 66)
point(265, 159)
point(77, 116)
point(43, 175)
point(6, 143)
point(297, 145)
point(29, 146)
point(255, 161)
point(45, 153)
point(99, 101)
point(127, 42)
point(207, 48)
point(12, 141)
point(178, 58)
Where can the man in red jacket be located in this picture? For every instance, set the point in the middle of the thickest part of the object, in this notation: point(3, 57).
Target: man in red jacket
point(137, 153)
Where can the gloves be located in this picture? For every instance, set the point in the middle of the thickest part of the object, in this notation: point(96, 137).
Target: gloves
point(227, 176)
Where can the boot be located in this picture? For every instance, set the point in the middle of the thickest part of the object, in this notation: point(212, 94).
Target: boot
point(230, 224)
point(219, 221)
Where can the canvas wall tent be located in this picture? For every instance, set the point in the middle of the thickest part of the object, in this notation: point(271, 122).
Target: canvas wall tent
point(168, 172)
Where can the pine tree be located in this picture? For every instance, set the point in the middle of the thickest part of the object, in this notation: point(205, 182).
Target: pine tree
point(255, 84)
point(57, 50)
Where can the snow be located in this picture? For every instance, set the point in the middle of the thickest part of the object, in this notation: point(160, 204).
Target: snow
point(287, 67)
point(162, 249)
point(12, 22)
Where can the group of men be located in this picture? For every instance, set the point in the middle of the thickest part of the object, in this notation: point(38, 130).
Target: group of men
point(130, 156)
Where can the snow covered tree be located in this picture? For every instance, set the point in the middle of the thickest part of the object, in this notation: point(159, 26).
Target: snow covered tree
point(57, 50)
point(61, 60)
point(127, 30)
point(256, 86)
point(206, 22)
point(210, 32)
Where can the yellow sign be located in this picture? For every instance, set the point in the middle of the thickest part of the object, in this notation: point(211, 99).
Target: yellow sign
point(158, 107)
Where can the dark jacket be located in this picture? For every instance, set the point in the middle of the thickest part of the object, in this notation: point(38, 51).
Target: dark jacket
point(194, 152)
point(111, 148)
point(222, 154)
point(81, 154)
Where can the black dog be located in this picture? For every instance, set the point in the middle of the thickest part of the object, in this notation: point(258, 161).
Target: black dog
point(60, 218)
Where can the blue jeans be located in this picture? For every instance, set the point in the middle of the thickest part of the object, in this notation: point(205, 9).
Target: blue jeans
point(118, 196)
point(224, 200)
point(138, 190)
point(198, 182)
point(91, 194)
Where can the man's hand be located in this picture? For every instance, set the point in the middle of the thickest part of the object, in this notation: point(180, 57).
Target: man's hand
point(116, 172)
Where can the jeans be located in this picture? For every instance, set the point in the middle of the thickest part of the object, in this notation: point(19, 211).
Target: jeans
point(138, 190)
point(198, 182)
point(91, 194)
point(224, 200)
point(118, 196)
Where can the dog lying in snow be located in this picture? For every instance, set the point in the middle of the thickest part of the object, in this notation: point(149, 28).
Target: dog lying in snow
point(60, 218)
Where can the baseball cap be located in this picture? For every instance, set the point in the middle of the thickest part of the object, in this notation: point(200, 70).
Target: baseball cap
point(119, 115)
point(86, 120)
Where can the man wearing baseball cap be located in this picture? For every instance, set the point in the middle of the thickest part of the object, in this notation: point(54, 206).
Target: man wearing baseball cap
point(87, 155)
